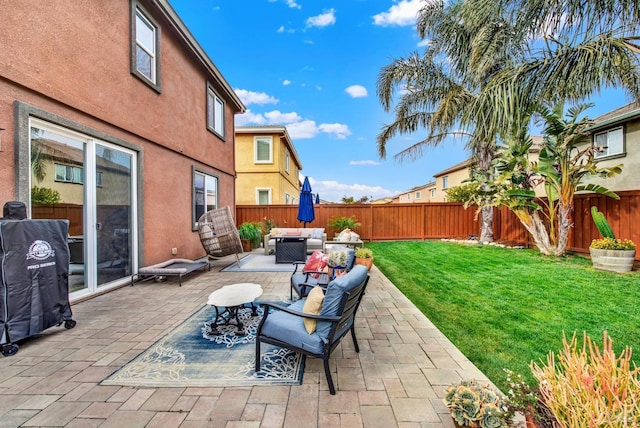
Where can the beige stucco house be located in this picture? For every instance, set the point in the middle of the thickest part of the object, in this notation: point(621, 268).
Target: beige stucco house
point(417, 194)
point(267, 165)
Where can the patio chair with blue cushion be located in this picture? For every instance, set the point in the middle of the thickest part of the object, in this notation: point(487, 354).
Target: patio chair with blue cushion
point(304, 278)
point(315, 325)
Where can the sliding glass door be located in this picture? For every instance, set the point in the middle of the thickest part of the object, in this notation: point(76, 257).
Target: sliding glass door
point(92, 184)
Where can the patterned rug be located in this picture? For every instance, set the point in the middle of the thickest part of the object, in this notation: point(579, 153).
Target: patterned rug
point(194, 355)
point(259, 262)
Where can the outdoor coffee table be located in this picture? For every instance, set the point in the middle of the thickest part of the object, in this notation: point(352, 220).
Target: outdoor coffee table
point(228, 300)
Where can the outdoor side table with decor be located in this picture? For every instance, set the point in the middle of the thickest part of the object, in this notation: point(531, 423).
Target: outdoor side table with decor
point(291, 249)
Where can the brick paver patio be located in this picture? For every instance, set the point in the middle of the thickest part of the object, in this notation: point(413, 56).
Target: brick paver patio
point(396, 380)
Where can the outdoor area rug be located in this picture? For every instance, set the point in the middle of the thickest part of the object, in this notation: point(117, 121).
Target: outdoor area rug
point(259, 262)
point(192, 356)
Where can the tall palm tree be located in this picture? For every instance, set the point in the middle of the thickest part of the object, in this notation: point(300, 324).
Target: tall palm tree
point(441, 85)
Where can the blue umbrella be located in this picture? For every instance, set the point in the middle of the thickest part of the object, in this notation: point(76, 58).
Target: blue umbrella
point(305, 205)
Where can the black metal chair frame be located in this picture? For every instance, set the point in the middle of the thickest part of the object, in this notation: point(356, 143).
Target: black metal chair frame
point(347, 309)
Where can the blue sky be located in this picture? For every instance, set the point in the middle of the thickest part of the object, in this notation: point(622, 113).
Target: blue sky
point(312, 66)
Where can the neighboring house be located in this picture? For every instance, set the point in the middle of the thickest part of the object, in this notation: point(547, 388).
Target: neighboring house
point(617, 133)
point(417, 194)
point(114, 105)
point(267, 165)
point(450, 177)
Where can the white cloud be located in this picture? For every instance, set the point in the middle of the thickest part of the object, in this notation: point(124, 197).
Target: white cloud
point(276, 116)
point(403, 13)
point(281, 29)
point(250, 97)
point(334, 191)
point(249, 117)
point(364, 162)
point(293, 4)
point(423, 43)
point(338, 129)
point(286, 82)
point(298, 127)
point(322, 20)
point(302, 130)
point(356, 91)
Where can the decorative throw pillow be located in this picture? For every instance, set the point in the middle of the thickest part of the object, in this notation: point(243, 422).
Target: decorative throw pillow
point(354, 237)
point(313, 306)
point(293, 232)
point(317, 233)
point(315, 263)
point(345, 235)
point(276, 232)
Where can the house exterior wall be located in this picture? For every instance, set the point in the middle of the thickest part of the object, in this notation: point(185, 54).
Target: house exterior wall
point(266, 176)
point(629, 179)
point(69, 63)
point(454, 178)
point(418, 194)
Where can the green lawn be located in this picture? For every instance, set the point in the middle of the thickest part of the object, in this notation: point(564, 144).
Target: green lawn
point(505, 307)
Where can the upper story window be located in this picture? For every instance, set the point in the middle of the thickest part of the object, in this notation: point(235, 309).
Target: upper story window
point(418, 195)
point(408, 196)
point(287, 198)
point(263, 149)
point(445, 182)
point(69, 174)
point(609, 142)
point(433, 193)
point(215, 112)
point(286, 161)
point(145, 46)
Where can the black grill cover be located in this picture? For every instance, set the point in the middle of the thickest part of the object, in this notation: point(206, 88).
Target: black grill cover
point(34, 277)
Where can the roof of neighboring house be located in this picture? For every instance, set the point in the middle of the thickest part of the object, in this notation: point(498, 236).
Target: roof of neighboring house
point(272, 129)
point(457, 167)
point(192, 45)
point(619, 115)
point(422, 186)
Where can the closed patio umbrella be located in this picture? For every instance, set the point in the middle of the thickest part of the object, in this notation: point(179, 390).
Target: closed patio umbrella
point(317, 198)
point(306, 213)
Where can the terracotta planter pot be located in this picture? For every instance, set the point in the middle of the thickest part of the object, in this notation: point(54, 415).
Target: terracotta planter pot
point(246, 245)
point(612, 260)
point(365, 262)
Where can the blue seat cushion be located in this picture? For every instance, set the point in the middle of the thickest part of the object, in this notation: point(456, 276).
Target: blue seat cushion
point(334, 293)
point(301, 278)
point(290, 329)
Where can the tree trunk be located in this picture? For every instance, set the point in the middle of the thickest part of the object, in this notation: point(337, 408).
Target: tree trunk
point(536, 228)
point(486, 234)
point(564, 224)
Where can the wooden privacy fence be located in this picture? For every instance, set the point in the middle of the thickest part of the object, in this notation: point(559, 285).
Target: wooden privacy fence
point(451, 220)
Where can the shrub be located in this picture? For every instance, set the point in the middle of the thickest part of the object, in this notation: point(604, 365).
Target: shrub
point(44, 195)
point(364, 253)
point(589, 386)
point(341, 223)
point(475, 405)
point(613, 244)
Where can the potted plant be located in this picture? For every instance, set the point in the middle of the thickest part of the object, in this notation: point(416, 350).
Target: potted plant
point(474, 405)
point(609, 253)
point(249, 235)
point(337, 262)
point(339, 223)
point(364, 257)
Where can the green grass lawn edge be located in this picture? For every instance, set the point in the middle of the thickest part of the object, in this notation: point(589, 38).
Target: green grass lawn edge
point(506, 307)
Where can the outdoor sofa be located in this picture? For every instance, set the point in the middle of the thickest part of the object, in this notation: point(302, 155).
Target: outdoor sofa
point(316, 237)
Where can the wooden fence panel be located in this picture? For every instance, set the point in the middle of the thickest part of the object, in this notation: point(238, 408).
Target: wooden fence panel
point(451, 220)
point(71, 212)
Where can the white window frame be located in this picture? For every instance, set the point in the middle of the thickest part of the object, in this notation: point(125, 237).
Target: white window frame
point(433, 193)
point(408, 196)
point(77, 174)
point(287, 161)
point(445, 182)
point(255, 149)
point(287, 198)
point(215, 112)
point(418, 195)
point(608, 151)
point(141, 16)
point(214, 180)
point(258, 191)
